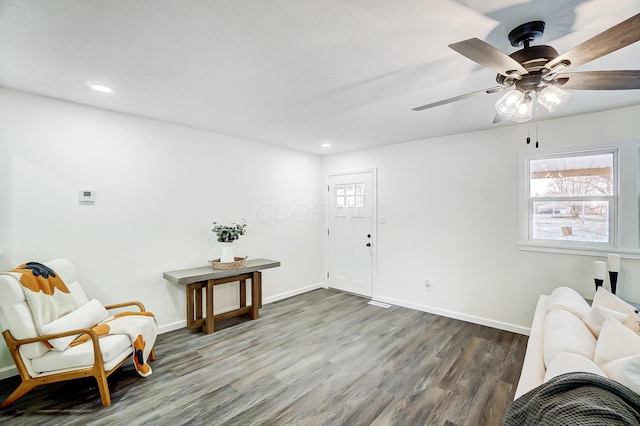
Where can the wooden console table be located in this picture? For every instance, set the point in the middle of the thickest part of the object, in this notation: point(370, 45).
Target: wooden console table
point(197, 279)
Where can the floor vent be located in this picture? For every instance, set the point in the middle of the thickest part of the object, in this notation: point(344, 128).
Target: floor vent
point(380, 304)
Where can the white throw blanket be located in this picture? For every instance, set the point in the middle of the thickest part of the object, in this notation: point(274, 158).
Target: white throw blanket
point(142, 329)
point(46, 294)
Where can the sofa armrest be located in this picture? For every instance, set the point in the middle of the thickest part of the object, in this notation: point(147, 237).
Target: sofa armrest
point(533, 368)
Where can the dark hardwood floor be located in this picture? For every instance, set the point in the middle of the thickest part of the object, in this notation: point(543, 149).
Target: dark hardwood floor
point(320, 358)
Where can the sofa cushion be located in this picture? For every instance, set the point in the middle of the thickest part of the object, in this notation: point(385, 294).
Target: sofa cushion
point(568, 299)
point(567, 362)
point(598, 315)
point(618, 354)
point(86, 316)
point(564, 332)
point(111, 346)
point(609, 300)
point(633, 322)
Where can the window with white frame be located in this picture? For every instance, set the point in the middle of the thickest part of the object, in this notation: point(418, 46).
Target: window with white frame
point(572, 198)
point(350, 195)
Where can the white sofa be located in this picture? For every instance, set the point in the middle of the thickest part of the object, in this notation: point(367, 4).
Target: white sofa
point(533, 367)
point(612, 324)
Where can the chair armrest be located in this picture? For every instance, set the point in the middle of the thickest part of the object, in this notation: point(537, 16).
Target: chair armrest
point(13, 344)
point(124, 304)
point(45, 337)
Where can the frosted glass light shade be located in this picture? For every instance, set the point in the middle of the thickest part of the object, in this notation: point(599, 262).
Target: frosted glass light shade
point(508, 104)
point(553, 97)
point(524, 112)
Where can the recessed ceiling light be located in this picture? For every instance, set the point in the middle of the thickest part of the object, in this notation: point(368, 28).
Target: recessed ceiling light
point(326, 145)
point(101, 88)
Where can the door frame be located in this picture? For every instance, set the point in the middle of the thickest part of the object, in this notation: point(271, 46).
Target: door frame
point(374, 227)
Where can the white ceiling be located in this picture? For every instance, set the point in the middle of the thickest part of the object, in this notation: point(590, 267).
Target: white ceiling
point(294, 73)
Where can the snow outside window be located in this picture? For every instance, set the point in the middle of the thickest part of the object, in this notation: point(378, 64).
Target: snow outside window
point(572, 198)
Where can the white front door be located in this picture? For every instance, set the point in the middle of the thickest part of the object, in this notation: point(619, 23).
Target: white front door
point(351, 226)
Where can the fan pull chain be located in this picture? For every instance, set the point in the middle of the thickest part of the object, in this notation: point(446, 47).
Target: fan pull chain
point(536, 135)
point(528, 132)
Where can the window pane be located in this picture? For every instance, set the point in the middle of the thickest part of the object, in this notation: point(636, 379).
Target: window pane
point(350, 189)
point(576, 176)
point(351, 202)
point(359, 188)
point(339, 201)
point(339, 189)
point(571, 221)
point(359, 201)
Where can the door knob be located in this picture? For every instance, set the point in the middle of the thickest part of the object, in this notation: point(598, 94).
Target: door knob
point(368, 244)
point(368, 235)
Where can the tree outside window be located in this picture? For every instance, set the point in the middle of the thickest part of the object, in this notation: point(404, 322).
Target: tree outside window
point(572, 197)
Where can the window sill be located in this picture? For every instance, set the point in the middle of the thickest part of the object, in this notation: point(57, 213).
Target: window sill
point(625, 254)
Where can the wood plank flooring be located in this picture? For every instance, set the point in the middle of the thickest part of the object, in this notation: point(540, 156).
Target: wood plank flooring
point(320, 358)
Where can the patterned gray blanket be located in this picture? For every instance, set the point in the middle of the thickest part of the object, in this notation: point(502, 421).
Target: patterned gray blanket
point(576, 399)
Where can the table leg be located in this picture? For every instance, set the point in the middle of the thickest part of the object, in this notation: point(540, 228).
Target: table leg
point(258, 277)
point(255, 295)
point(194, 303)
point(198, 302)
point(190, 304)
point(243, 293)
point(209, 326)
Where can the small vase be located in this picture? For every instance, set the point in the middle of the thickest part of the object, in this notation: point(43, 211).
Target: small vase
point(226, 255)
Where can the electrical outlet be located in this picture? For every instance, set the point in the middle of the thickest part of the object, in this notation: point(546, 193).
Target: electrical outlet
point(427, 285)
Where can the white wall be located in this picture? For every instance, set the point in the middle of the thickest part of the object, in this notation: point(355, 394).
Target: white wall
point(451, 210)
point(158, 189)
point(159, 186)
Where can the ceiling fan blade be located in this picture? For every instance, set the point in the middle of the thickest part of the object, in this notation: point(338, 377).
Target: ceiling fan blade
point(621, 35)
point(601, 80)
point(490, 57)
point(459, 98)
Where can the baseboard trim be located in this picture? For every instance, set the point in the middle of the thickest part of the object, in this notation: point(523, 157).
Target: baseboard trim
point(7, 372)
point(292, 293)
point(181, 324)
point(172, 326)
point(456, 315)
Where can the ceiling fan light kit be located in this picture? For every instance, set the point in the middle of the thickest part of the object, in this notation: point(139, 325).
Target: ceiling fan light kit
point(553, 98)
point(518, 105)
point(537, 72)
point(524, 112)
point(508, 104)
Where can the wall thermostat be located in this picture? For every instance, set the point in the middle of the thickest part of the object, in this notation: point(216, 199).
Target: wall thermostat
point(87, 197)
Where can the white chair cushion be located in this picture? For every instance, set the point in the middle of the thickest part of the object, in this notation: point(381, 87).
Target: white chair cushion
point(618, 354)
point(17, 316)
point(569, 300)
point(598, 315)
point(86, 316)
point(112, 347)
point(67, 272)
point(567, 362)
point(564, 332)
